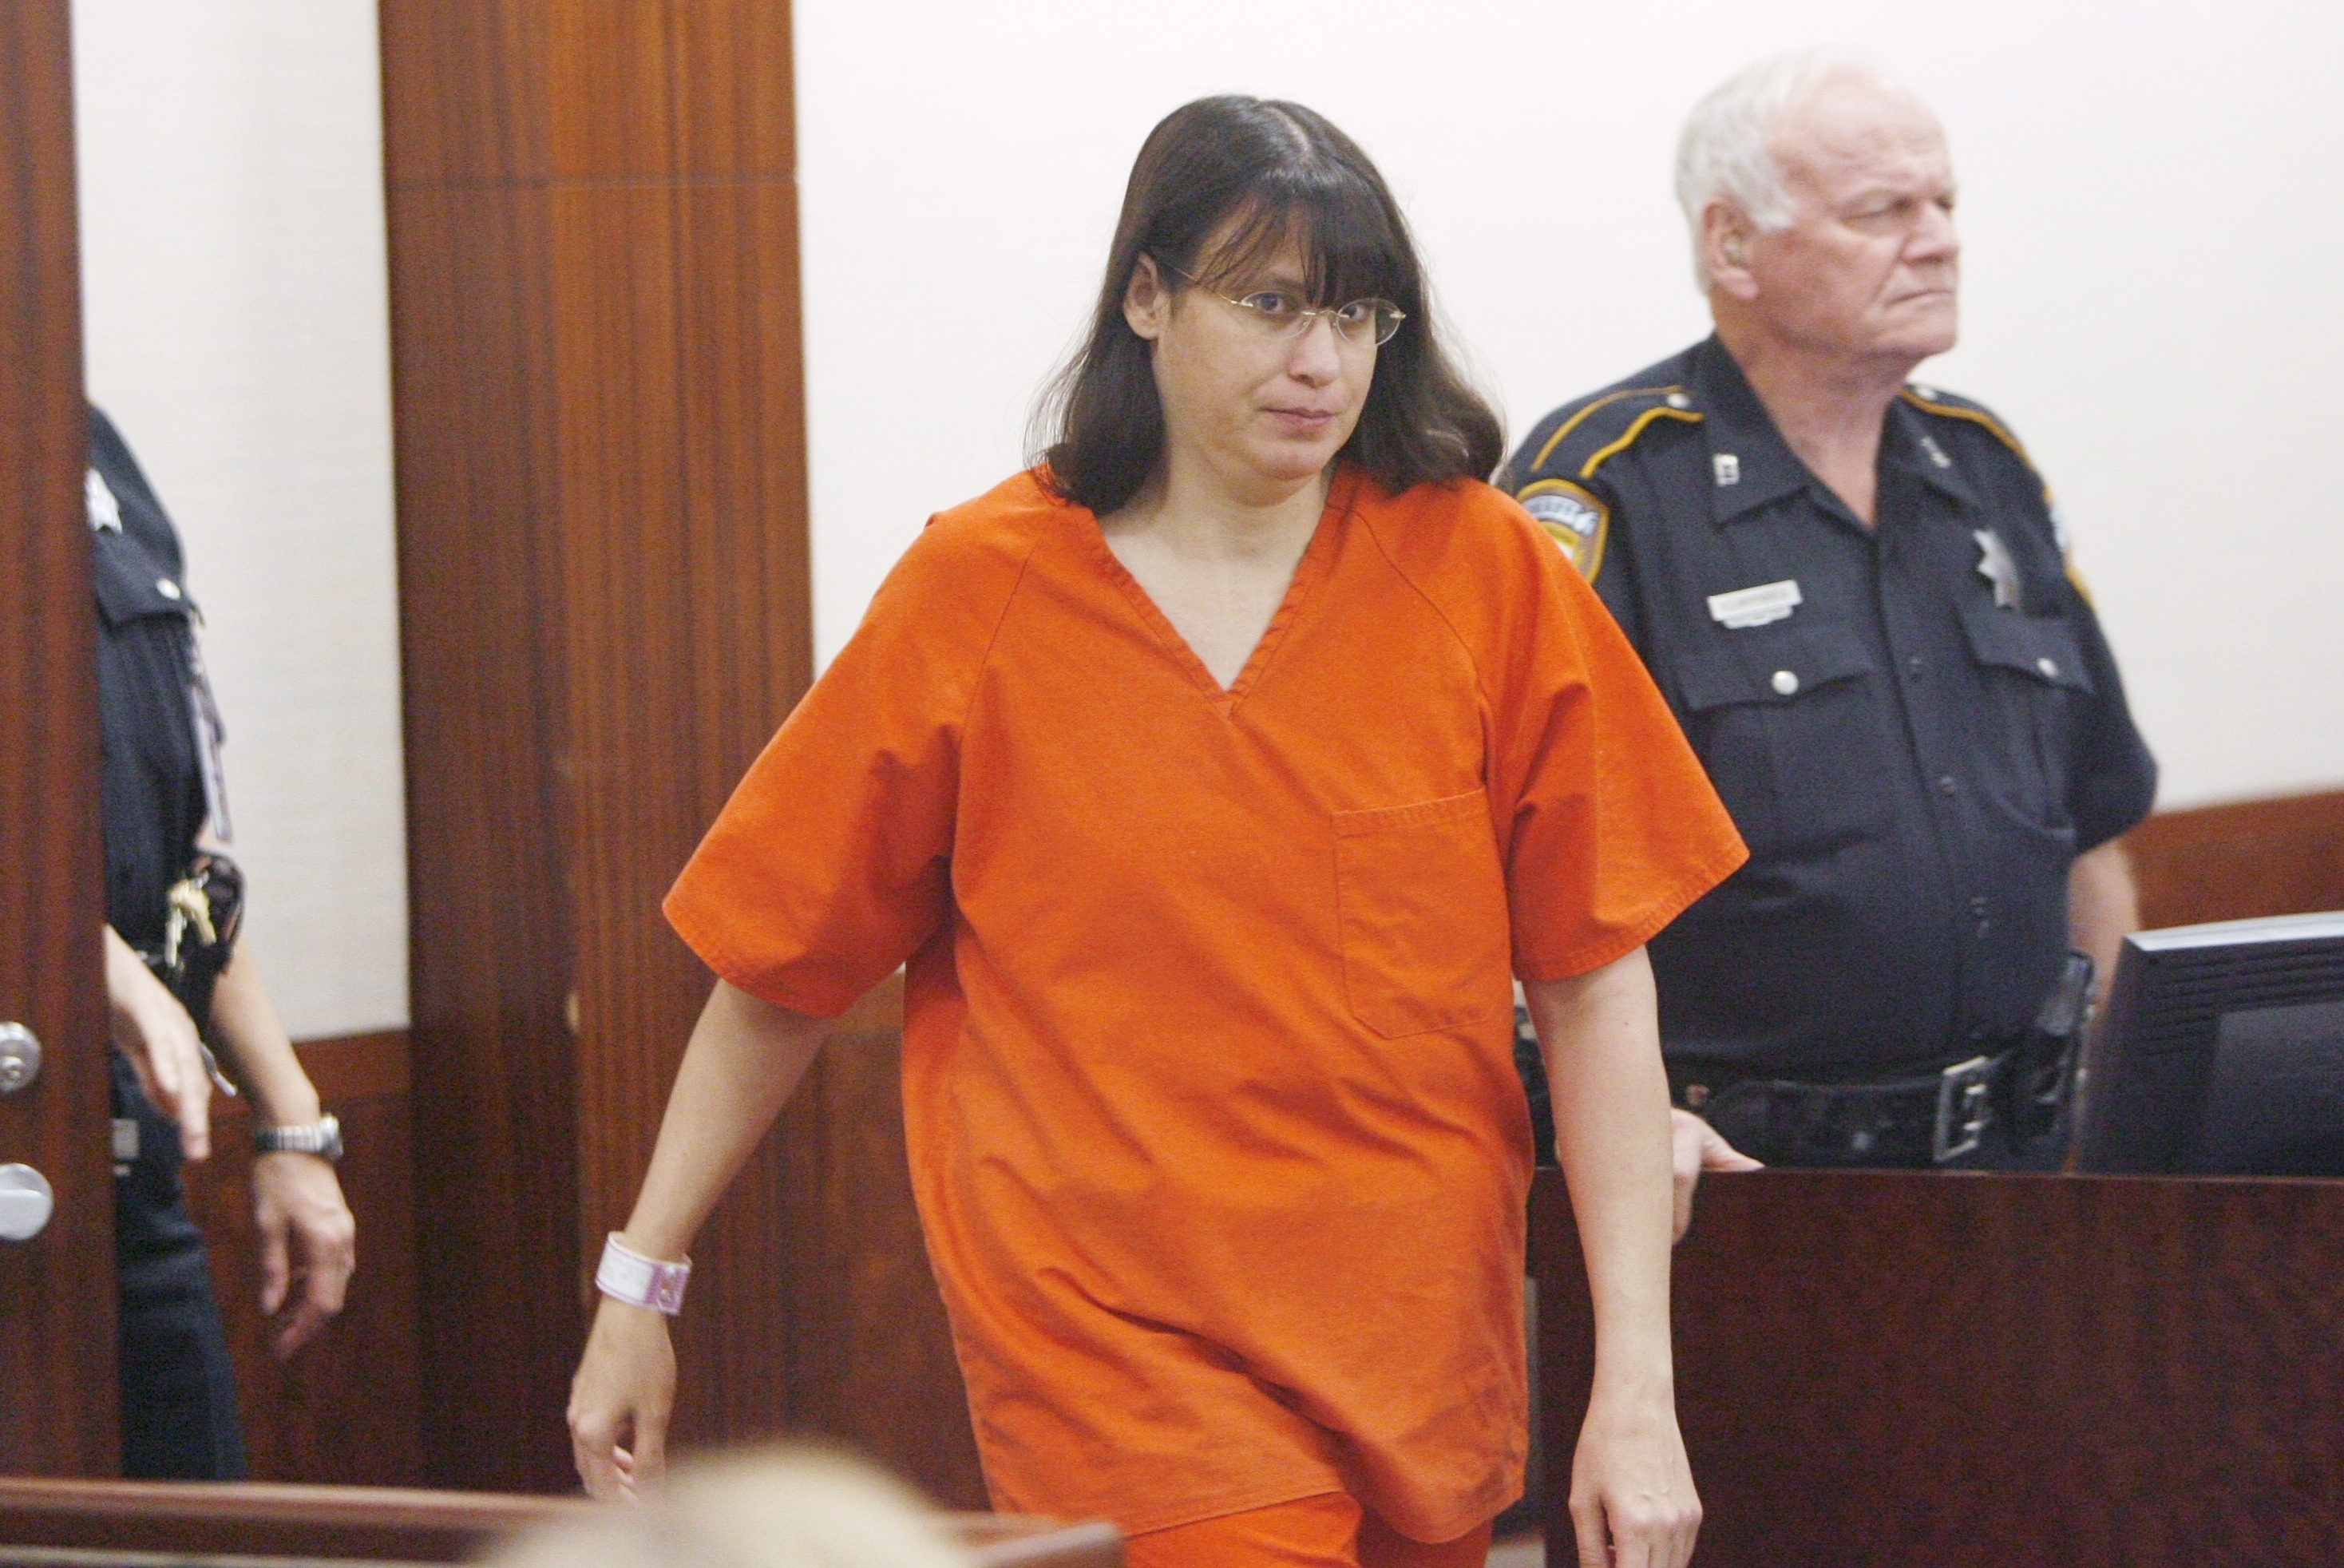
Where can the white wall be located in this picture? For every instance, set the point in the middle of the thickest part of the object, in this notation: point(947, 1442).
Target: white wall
point(2151, 211)
point(233, 290)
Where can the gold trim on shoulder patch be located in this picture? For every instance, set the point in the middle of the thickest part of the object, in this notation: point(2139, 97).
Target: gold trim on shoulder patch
point(1573, 517)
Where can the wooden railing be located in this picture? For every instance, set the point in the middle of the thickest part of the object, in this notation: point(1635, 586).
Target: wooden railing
point(96, 1523)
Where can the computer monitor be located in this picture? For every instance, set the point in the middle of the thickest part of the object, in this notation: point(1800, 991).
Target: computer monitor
point(2221, 1053)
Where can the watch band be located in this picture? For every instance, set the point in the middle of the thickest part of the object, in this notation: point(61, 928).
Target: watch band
point(322, 1138)
point(627, 1276)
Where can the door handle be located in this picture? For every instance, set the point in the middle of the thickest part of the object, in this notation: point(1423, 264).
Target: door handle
point(20, 1057)
point(25, 1203)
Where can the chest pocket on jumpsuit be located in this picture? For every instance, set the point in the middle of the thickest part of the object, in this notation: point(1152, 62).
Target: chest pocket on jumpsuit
point(1421, 901)
point(2033, 669)
point(1788, 722)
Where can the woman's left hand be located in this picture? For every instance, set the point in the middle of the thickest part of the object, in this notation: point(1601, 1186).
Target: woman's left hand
point(1632, 1503)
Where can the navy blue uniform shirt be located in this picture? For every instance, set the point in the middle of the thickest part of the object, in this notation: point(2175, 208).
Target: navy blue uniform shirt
point(149, 687)
point(1917, 727)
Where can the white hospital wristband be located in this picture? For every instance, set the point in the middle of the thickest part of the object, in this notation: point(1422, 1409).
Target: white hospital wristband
point(626, 1275)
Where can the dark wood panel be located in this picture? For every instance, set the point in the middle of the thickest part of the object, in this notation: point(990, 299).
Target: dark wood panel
point(1919, 1368)
point(746, 621)
point(606, 74)
point(713, 77)
point(2283, 857)
point(880, 1374)
point(449, 115)
point(744, 519)
point(598, 399)
point(57, 1413)
point(348, 1408)
point(735, 96)
point(490, 956)
point(357, 1066)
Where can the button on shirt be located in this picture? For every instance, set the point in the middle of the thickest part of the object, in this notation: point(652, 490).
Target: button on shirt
point(1917, 727)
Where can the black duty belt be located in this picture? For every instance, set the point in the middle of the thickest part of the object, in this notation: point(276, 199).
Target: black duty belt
point(1931, 1120)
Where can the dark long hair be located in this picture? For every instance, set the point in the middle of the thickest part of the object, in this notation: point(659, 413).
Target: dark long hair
point(1270, 173)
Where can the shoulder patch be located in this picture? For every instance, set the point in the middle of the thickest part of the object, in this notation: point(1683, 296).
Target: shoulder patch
point(1587, 436)
point(1947, 406)
point(1574, 517)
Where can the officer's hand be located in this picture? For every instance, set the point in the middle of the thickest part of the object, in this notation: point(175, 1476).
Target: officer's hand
point(1697, 1146)
point(307, 1240)
point(620, 1402)
point(149, 1027)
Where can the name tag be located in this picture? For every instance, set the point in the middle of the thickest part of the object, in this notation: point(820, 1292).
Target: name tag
point(1755, 606)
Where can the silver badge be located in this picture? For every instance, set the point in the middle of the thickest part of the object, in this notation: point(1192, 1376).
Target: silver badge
point(1728, 468)
point(1997, 567)
point(105, 511)
point(1936, 453)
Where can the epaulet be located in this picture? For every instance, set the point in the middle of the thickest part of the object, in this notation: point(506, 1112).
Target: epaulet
point(1568, 449)
point(1582, 437)
point(1951, 406)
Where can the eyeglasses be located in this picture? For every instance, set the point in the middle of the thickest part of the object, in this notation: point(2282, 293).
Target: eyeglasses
point(1276, 313)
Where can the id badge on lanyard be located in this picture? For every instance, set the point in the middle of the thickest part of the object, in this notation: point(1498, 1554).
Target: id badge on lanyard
point(204, 715)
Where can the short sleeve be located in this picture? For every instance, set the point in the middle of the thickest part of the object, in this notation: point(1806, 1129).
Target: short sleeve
point(830, 864)
point(1616, 828)
point(2114, 778)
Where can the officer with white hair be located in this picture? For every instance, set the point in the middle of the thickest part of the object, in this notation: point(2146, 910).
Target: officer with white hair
point(1853, 591)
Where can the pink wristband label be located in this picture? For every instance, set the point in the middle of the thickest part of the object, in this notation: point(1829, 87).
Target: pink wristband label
point(628, 1276)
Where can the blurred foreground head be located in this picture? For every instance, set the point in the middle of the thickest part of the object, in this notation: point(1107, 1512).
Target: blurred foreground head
point(770, 1508)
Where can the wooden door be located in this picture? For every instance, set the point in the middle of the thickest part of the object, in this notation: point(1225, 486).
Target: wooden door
point(57, 1401)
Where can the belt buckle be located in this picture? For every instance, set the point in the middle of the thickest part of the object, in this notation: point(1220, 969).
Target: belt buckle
point(1965, 1108)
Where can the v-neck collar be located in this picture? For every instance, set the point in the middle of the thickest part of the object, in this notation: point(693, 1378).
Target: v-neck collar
point(1309, 572)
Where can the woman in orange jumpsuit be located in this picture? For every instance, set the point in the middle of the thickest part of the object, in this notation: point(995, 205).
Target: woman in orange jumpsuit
point(1215, 778)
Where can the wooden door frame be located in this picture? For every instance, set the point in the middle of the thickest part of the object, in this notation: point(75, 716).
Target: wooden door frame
point(58, 1407)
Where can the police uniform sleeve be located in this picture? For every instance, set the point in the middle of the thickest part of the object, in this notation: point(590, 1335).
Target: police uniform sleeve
point(2113, 778)
point(1563, 474)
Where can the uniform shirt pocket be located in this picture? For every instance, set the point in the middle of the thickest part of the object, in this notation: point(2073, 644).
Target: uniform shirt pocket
point(1788, 722)
point(2032, 668)
point(1421, 905)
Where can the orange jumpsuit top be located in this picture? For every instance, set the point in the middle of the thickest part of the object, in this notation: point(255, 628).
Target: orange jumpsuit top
point(1207, 1072)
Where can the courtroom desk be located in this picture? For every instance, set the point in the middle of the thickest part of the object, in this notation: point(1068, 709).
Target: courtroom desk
point(1915, 1369)
point(49, 1524)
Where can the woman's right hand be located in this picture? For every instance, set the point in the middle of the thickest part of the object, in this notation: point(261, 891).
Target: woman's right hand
point(620, 1402)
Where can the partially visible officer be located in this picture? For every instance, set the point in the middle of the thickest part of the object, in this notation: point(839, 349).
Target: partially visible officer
point(174, 972)
point(1853, 592)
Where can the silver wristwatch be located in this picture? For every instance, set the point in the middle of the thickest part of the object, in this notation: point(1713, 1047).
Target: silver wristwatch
point(322, 1138)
